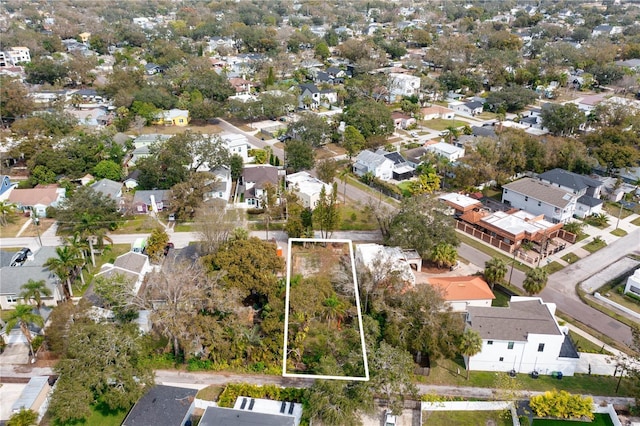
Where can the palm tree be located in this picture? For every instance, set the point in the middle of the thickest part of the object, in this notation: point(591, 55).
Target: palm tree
point(23, 316)
point(343, 175)
point(535, 281)
point(81, 246)
point(64, 265)
point(452, 132)
point(443, 254)
point(470, 345)
point(334, 308)
point(5, 210)
point(495, 270)
point(34, 290)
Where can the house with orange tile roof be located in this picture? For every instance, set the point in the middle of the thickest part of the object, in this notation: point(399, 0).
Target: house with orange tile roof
point(462, 292)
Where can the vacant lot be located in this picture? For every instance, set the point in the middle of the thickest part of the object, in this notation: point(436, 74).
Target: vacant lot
point(467, 418)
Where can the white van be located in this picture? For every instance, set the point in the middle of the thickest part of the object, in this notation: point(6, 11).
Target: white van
point(139, 245)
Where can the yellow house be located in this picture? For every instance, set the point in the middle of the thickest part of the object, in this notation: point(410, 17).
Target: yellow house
point(173, 117)
point(84, 37)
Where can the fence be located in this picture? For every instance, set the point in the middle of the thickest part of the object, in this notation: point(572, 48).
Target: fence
point(494, 241)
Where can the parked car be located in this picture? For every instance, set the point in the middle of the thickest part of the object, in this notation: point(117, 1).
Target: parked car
point(414, 134)
point(20, 257)
point(168, 247)
point(389, 418)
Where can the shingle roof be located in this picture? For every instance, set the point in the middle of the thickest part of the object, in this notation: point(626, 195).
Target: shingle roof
point(216, 416)
point(309, 86)
point(34, 196)
point(462, 288)
point(569, 179)
point(514, 322)
point(414, 155)
point(162, 405)
point(108, 187)
point(590, 201)
point(542, 191)
point(145, 196)
point(261, 175)
point(131, 261)
point(371, 159)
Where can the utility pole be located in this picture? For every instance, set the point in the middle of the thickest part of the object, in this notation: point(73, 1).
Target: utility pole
point(512, 265)
point(36, 221)
point(619, 215)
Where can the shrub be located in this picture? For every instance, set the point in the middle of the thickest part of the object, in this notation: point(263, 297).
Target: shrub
point(234, 390)
point(561, 404)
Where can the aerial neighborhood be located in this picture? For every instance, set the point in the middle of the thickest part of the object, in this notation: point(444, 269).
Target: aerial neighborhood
point(292, 212)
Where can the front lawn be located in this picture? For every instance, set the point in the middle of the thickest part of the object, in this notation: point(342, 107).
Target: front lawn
point(138, 224)
point(15, 224)
point(636, 221)
point(595, 245)
point(554, 267)
point(467, 418)
point(570, 258)
point(440, 124)
point(452, 373)
point(353, 218)
point(584, 345)
point(619, 232)
point(467, 239)
point(613, 209)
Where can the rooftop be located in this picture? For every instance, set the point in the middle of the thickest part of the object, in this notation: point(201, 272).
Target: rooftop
point(569, 179)
point(518, 222)
point(161, 405)
point(541, 191)
point(462, 288)
point(514, 322)
point(459, 201)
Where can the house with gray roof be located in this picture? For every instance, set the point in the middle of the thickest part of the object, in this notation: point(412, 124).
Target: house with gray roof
point(523, 337)
point(538, 197)
point(110, 189)
point(254, 181)
point(587, 188)
point(152, 200)
point(163, 405)
point(370, 162)
point(12, 278)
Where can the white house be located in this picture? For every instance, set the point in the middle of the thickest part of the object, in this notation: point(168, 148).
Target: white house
point(237, 144)
point(537, 197)
point(307, 188)
point(312, 98)
point(523, 337)
point(221, 188)
point(37, 199)
point(254, 181)
point(142, 144)
point(588, 189)
point(134, 266)
point(15, 56)
point(381, 259)
point(446, 150)
point(633, 284)
point(12, 278)
point(469, 108)
point(437, 111)
point(401, 85)
point(376, 164)
point(461, 292)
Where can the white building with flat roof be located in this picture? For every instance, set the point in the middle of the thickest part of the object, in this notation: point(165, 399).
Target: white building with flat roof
point(446, 150)
point(382, 259)
point(307, 188)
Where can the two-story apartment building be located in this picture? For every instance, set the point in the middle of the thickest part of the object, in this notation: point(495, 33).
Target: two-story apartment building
point(401, 85)
point(523, 337)
point(587, 189)
point(538, 197)
point(237, 144)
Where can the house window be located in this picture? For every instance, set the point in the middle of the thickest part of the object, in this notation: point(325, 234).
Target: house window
point(501, 358)
point(490, 342)
point(510, 345)
point(526, 198)
point(539, 203)
point(12, 298)
point(540, 347)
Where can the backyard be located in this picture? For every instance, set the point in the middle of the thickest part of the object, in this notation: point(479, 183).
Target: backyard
point(598, 420)
point(467, 418)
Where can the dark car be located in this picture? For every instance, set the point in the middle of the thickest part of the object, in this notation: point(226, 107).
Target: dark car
point(168, 247)
point(20, 257)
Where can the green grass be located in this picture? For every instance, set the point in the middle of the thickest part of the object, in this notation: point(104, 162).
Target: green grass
point(441, 124)
point(404, 187)
point(465, 238)
point(183, 227)
point(445, 372)
point(501, 300)
point(636, 221)
point(353, 218)
point(619, 232)
point(581, 236)
point(570, 258)
point(594, 246)
point(467, 418)
point(598, 420)
point(375, 194)
point(210, 393)
point(138, 224)
point(554, 267)
point(614, 210)
point(584, 345)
